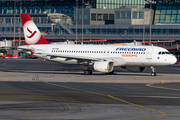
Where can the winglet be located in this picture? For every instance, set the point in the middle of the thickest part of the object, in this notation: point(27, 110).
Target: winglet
point(31, 32)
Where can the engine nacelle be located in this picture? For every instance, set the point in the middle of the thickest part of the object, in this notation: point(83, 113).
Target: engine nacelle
point(103, 66)
point(135, 69)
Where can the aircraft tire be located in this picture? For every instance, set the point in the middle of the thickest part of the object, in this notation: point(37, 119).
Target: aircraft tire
point(153, 74)
point(88, 72)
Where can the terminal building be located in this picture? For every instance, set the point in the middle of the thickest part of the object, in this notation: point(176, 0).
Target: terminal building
point(114, 20)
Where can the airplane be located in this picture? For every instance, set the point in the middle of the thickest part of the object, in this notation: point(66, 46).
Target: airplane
point(101, 58)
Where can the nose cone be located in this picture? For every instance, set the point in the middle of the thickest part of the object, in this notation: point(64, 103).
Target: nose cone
point(173, 60)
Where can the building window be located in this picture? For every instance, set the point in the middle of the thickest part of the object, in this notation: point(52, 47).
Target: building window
point(135, 13)
point(80, 16)
point(93, 16)
point(111, 16)
point(105, 17)
point(122, 14)
point(117, 15)
point(128, 14)
point(86, 16)
point(141, 15)
point(99, 17)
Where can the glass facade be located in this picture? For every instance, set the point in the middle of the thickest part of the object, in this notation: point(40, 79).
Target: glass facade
point(130, 30)
point(38, 7)
point(167, 12)
point(111, 4)
point(35, 19)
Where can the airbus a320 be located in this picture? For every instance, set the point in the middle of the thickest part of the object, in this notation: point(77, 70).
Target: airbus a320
point(101, 58)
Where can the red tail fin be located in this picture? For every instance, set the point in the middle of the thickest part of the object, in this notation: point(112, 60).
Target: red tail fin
point(31, 32)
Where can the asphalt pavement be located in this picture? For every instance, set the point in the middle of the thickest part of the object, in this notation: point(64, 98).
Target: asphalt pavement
point(42, 90)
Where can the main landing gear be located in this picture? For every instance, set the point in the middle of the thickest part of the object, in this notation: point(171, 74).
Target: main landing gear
point(88, 72)
point(153, 71)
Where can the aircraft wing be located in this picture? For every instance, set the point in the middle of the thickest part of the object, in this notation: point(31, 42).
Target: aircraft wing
point(73, 57)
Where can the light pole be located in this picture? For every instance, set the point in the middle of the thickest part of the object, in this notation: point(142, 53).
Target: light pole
point(82, 21)
point(14, 17)
point(143, 29)
point(20, 24)
point(150, 24)
point(76, 17)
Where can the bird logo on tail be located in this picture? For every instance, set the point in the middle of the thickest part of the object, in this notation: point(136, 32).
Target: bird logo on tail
point(32, 33)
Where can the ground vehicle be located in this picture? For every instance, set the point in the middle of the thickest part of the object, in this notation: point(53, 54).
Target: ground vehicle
point(25, 55)
point(178, 59)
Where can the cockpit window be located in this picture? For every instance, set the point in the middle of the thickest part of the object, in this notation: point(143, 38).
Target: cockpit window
point(163, 53)
point(167, 52)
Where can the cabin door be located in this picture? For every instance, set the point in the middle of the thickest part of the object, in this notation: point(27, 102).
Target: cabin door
point(149, 53)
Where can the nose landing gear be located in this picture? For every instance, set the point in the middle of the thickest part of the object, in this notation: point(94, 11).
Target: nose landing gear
point(153, 71)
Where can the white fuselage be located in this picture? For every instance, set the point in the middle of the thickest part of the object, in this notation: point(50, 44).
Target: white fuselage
point(141, 56)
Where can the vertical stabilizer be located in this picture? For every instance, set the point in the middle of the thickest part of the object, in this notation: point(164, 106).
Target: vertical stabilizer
point(31, 32)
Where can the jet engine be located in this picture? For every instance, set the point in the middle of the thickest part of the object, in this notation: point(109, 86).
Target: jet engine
point(135, 69)
point(103, 66)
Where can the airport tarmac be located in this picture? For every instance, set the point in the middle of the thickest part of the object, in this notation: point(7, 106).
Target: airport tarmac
point(42, 90)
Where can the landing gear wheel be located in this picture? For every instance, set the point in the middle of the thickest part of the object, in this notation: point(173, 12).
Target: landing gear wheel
point(110, 73)
point(88, 72)
point(153, 71)
point(153, 74)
